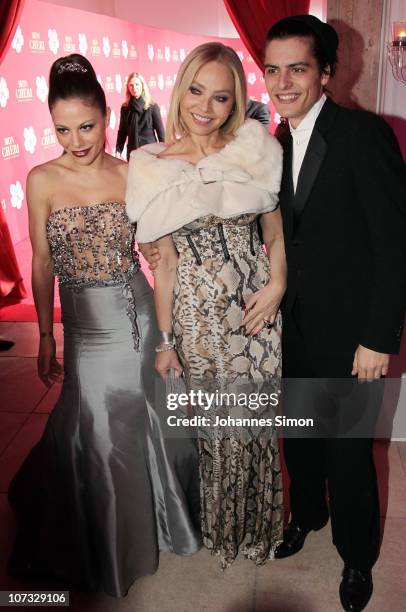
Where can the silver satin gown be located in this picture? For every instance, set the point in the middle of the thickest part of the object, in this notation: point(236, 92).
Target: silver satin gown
point(104, 490)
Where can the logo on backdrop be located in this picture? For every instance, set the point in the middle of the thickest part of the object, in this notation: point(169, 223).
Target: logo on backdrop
point(152, 82)
point(48, 138)
point(109, 86)
point(182, 54)
point(113, 120)
point(82, 43)
point(106, 46)
point(167, 53)
point(150, 52)
point(161, 81)
point(159, 55)
point(17, 195)
point(36, 44)
point(30, 139)
point(265, 98)
point(4, 92)
point(133, 52)
point(69, 46)
point(124, 48)
point(10, 148)
point(251, 78)
point(95, 47)
point(116, 51)
point(18, 40)
point(53, 41)
point(119, 83)
point(42, 88)
point(23, 91)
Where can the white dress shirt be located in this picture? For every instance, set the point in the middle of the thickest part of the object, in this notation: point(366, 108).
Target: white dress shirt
point(301, 136)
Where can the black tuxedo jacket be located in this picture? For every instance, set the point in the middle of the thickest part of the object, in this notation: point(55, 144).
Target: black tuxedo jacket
point(345, 235)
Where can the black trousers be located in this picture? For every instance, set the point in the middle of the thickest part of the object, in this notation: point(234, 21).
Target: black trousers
point(331, 471)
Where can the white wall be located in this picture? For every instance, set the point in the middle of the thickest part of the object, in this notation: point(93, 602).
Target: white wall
point(319, 9)
point(392, 104)
point(205, 17)
point(392, 95)
point(209, 17)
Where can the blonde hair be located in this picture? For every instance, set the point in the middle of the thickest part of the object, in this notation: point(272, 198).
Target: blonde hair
point(196, 59)
point(145, 95)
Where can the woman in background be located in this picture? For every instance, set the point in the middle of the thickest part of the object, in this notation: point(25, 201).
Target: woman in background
point(140, 118)
point(217, 294)
point(102, 492)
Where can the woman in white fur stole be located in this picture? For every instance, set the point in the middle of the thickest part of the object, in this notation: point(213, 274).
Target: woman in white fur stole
point(217, 292)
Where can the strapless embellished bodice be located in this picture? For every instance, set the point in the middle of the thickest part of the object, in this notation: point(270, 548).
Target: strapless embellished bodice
point(92, 245)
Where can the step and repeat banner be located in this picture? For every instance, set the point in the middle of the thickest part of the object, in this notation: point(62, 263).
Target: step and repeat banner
point(115, 48)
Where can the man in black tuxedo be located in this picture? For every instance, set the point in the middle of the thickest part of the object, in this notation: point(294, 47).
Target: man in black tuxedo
point(344, 214)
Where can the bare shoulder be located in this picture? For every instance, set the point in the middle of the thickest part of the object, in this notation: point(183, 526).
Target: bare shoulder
point(39, 181)
point(47, 172)
point(42, 181)
point(117, 165)
point(38, 174)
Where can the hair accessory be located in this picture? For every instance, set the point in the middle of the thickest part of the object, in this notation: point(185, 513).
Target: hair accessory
point(71, 67)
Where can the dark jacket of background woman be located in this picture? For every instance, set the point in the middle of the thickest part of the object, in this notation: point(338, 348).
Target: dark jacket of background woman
point(141, 126)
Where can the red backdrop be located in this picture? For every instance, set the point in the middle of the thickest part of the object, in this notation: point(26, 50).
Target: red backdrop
point(115, 48)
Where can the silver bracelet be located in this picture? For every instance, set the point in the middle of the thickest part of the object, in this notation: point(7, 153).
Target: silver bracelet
point(164, 346)
point(167, 337)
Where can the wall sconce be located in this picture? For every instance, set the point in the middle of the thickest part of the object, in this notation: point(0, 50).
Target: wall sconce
point(397, 51)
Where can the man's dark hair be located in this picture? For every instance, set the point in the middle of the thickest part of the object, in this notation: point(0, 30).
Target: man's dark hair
point(324, 51)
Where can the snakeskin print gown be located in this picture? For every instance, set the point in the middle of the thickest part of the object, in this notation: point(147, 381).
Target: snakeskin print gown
point(221, 263)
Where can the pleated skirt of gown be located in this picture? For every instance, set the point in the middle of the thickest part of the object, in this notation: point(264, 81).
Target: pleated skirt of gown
point(104, 490)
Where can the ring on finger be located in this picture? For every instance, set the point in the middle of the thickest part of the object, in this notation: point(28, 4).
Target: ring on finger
point(268, 324)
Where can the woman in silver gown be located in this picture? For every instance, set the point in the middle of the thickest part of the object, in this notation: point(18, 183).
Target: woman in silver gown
point(217, 293)
point(103, 491)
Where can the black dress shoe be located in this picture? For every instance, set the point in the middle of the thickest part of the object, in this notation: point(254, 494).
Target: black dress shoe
point(293, 539)
point(355, 589)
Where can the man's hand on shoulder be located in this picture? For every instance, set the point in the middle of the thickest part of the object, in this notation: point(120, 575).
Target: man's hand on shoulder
point(368, 364)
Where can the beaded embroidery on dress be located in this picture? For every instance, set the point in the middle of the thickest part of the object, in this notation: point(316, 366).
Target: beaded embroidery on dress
point(92, 245)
